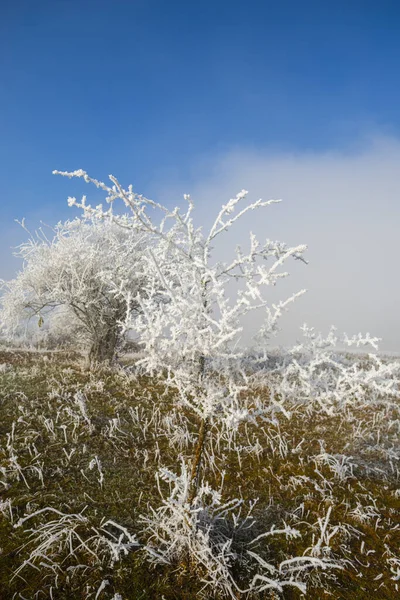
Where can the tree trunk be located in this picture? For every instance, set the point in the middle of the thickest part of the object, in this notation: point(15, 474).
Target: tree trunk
point(205, 423)
point(198, 453)
point(103, 348)
point(195, 473)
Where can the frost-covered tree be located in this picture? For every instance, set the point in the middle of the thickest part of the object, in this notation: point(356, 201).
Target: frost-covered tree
point(195, 336)
point(193, 343)
point(67, 284)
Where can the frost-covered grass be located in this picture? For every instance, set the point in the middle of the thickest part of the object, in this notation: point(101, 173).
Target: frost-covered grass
point(82, 511)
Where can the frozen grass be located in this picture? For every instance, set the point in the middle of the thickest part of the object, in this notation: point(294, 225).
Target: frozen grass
point(78, 456)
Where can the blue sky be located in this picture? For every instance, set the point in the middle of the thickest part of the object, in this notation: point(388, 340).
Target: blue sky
point(180, 96)
point(146, 87)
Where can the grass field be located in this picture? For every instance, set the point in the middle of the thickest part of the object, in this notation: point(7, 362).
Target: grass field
point(88, 445)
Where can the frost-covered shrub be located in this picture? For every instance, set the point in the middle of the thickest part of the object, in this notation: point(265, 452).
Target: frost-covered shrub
point(193, 340)
point(316, 371)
